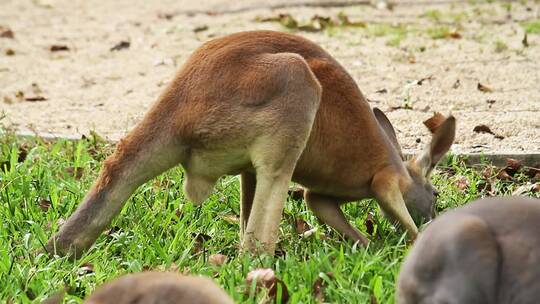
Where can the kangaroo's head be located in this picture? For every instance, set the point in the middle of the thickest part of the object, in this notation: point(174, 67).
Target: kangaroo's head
point(420, 196)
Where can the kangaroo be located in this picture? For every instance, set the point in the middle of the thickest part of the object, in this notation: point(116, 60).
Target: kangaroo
point(159, 287)
point(485, 252)
point(272, 107)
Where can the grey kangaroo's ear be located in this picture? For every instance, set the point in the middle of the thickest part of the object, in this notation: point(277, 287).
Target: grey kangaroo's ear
point(386, 125)
point(443, 137)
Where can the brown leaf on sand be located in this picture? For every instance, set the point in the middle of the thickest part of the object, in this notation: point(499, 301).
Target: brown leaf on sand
point(58, 48)
point(434, 122)
point(453, 35)
point(319, 286)
point(483, 88)
point(6, 33)
point(217, 259)
point(120, 46)
point(35, 98)
point(200, 28)
point(483, 129)
point(266, 278)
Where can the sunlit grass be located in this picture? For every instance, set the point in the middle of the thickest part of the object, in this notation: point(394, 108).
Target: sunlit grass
point(157, 229)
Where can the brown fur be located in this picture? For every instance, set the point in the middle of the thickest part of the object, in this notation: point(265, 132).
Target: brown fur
point(159, 287)
point(273, 107)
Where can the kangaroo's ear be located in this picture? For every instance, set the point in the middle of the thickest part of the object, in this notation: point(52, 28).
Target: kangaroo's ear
point(386, 125)
point(443, 137)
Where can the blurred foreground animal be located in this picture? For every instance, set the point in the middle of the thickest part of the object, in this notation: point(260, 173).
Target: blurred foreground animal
point(159, 287)
point(487, 252)
point(272, 107)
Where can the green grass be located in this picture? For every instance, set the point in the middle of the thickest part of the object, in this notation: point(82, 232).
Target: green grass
point(532, 27)
point(156, 230)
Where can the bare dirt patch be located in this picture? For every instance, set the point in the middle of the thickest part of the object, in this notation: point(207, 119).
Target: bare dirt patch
point(74, 66)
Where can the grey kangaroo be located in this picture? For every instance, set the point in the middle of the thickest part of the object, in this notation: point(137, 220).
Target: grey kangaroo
point(485, 252)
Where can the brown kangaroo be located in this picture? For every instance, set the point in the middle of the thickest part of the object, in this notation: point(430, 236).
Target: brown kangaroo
point(271, 107)
point(159, 287)
point(485, 252)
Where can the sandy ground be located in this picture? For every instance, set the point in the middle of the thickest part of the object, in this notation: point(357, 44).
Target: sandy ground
point(90, 87)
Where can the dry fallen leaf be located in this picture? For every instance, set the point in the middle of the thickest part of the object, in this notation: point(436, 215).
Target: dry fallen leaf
point(23, 153)
point(503, 175)
point(200, 239)
point(434, 122)
point(58, 48)
point(44, 204)
point(86, 268)
point(370, 224)
point(421, 81)
point(217, 259)
point(402, 107)
point(6, 33)
point(10, 52)
point(462, 183)
point(167, 16)
point(231, 219)
point(301, 226)
point(35, 98)
point(266, 278)
point(345, 21)
point(200, 28)
point(120, 46)
point(453, 35)
point(528, 187)
point(483, 129)
point(534, 171)
point(319, 286)
point(76, 172)
point(483, 88)
point(512, 166)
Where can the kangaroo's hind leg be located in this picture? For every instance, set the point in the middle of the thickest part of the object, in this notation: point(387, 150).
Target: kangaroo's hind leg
point(289, 116)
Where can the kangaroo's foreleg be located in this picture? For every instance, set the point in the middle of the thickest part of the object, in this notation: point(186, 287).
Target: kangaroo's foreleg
point(328, 211)
point(385, 186)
